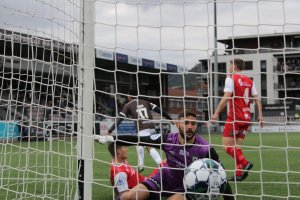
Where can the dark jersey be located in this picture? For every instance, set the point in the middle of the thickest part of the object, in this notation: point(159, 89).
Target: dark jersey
point(140, 110)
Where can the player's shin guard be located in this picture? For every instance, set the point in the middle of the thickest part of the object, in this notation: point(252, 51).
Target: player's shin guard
point(155, 155)
point(140, 153)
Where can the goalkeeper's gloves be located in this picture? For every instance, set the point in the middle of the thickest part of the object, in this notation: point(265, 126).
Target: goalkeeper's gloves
point(104, 138)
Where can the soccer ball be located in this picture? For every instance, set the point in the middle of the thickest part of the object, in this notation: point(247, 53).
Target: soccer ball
point(204, 179)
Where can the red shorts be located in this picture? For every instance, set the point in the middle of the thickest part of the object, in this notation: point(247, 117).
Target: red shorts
point(239, 131)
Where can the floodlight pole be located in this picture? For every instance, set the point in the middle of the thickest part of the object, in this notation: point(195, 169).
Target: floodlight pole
point(86, 76)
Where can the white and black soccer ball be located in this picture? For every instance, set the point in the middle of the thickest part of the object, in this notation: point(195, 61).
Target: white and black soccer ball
point(204, 179)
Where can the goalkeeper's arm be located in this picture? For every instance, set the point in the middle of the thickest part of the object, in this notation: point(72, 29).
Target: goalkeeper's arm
point(214, 155)
point(227, 195)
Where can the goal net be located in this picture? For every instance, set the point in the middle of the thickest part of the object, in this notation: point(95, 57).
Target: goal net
point(66, 68)
point(38, 102)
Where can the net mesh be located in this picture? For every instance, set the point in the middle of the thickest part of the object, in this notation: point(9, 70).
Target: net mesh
point(163, 49)
point(38, 99)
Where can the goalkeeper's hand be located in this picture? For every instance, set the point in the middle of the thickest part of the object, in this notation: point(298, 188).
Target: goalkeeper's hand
point(104, 138)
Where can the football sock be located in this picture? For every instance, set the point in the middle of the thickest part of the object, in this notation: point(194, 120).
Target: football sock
point(155, 155)
point(238, 155)
point(239, 171)
point(140, 153)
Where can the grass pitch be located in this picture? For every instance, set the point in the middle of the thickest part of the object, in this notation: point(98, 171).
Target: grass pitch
point(47, 170)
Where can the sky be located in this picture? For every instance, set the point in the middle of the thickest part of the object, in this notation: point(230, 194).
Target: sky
point(175, 31)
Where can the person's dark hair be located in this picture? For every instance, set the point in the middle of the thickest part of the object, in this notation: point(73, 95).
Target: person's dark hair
point(111, 148)
point(239, 63)
point(186, 113)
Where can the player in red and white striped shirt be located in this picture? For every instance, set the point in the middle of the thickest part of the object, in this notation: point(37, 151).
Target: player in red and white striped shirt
point(239, 90)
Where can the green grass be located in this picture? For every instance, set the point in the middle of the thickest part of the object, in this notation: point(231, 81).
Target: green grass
point(44, 170)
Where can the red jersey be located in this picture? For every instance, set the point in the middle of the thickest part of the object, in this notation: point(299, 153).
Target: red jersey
point(123, 176)
point(242, 89)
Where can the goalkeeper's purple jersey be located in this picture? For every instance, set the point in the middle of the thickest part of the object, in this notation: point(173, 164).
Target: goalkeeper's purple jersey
point(180, 156)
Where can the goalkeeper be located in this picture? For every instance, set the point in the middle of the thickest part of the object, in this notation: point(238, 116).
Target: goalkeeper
point(140, 110)
point(181, 150)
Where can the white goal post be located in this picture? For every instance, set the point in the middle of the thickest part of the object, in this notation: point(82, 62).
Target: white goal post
point(66, 68)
